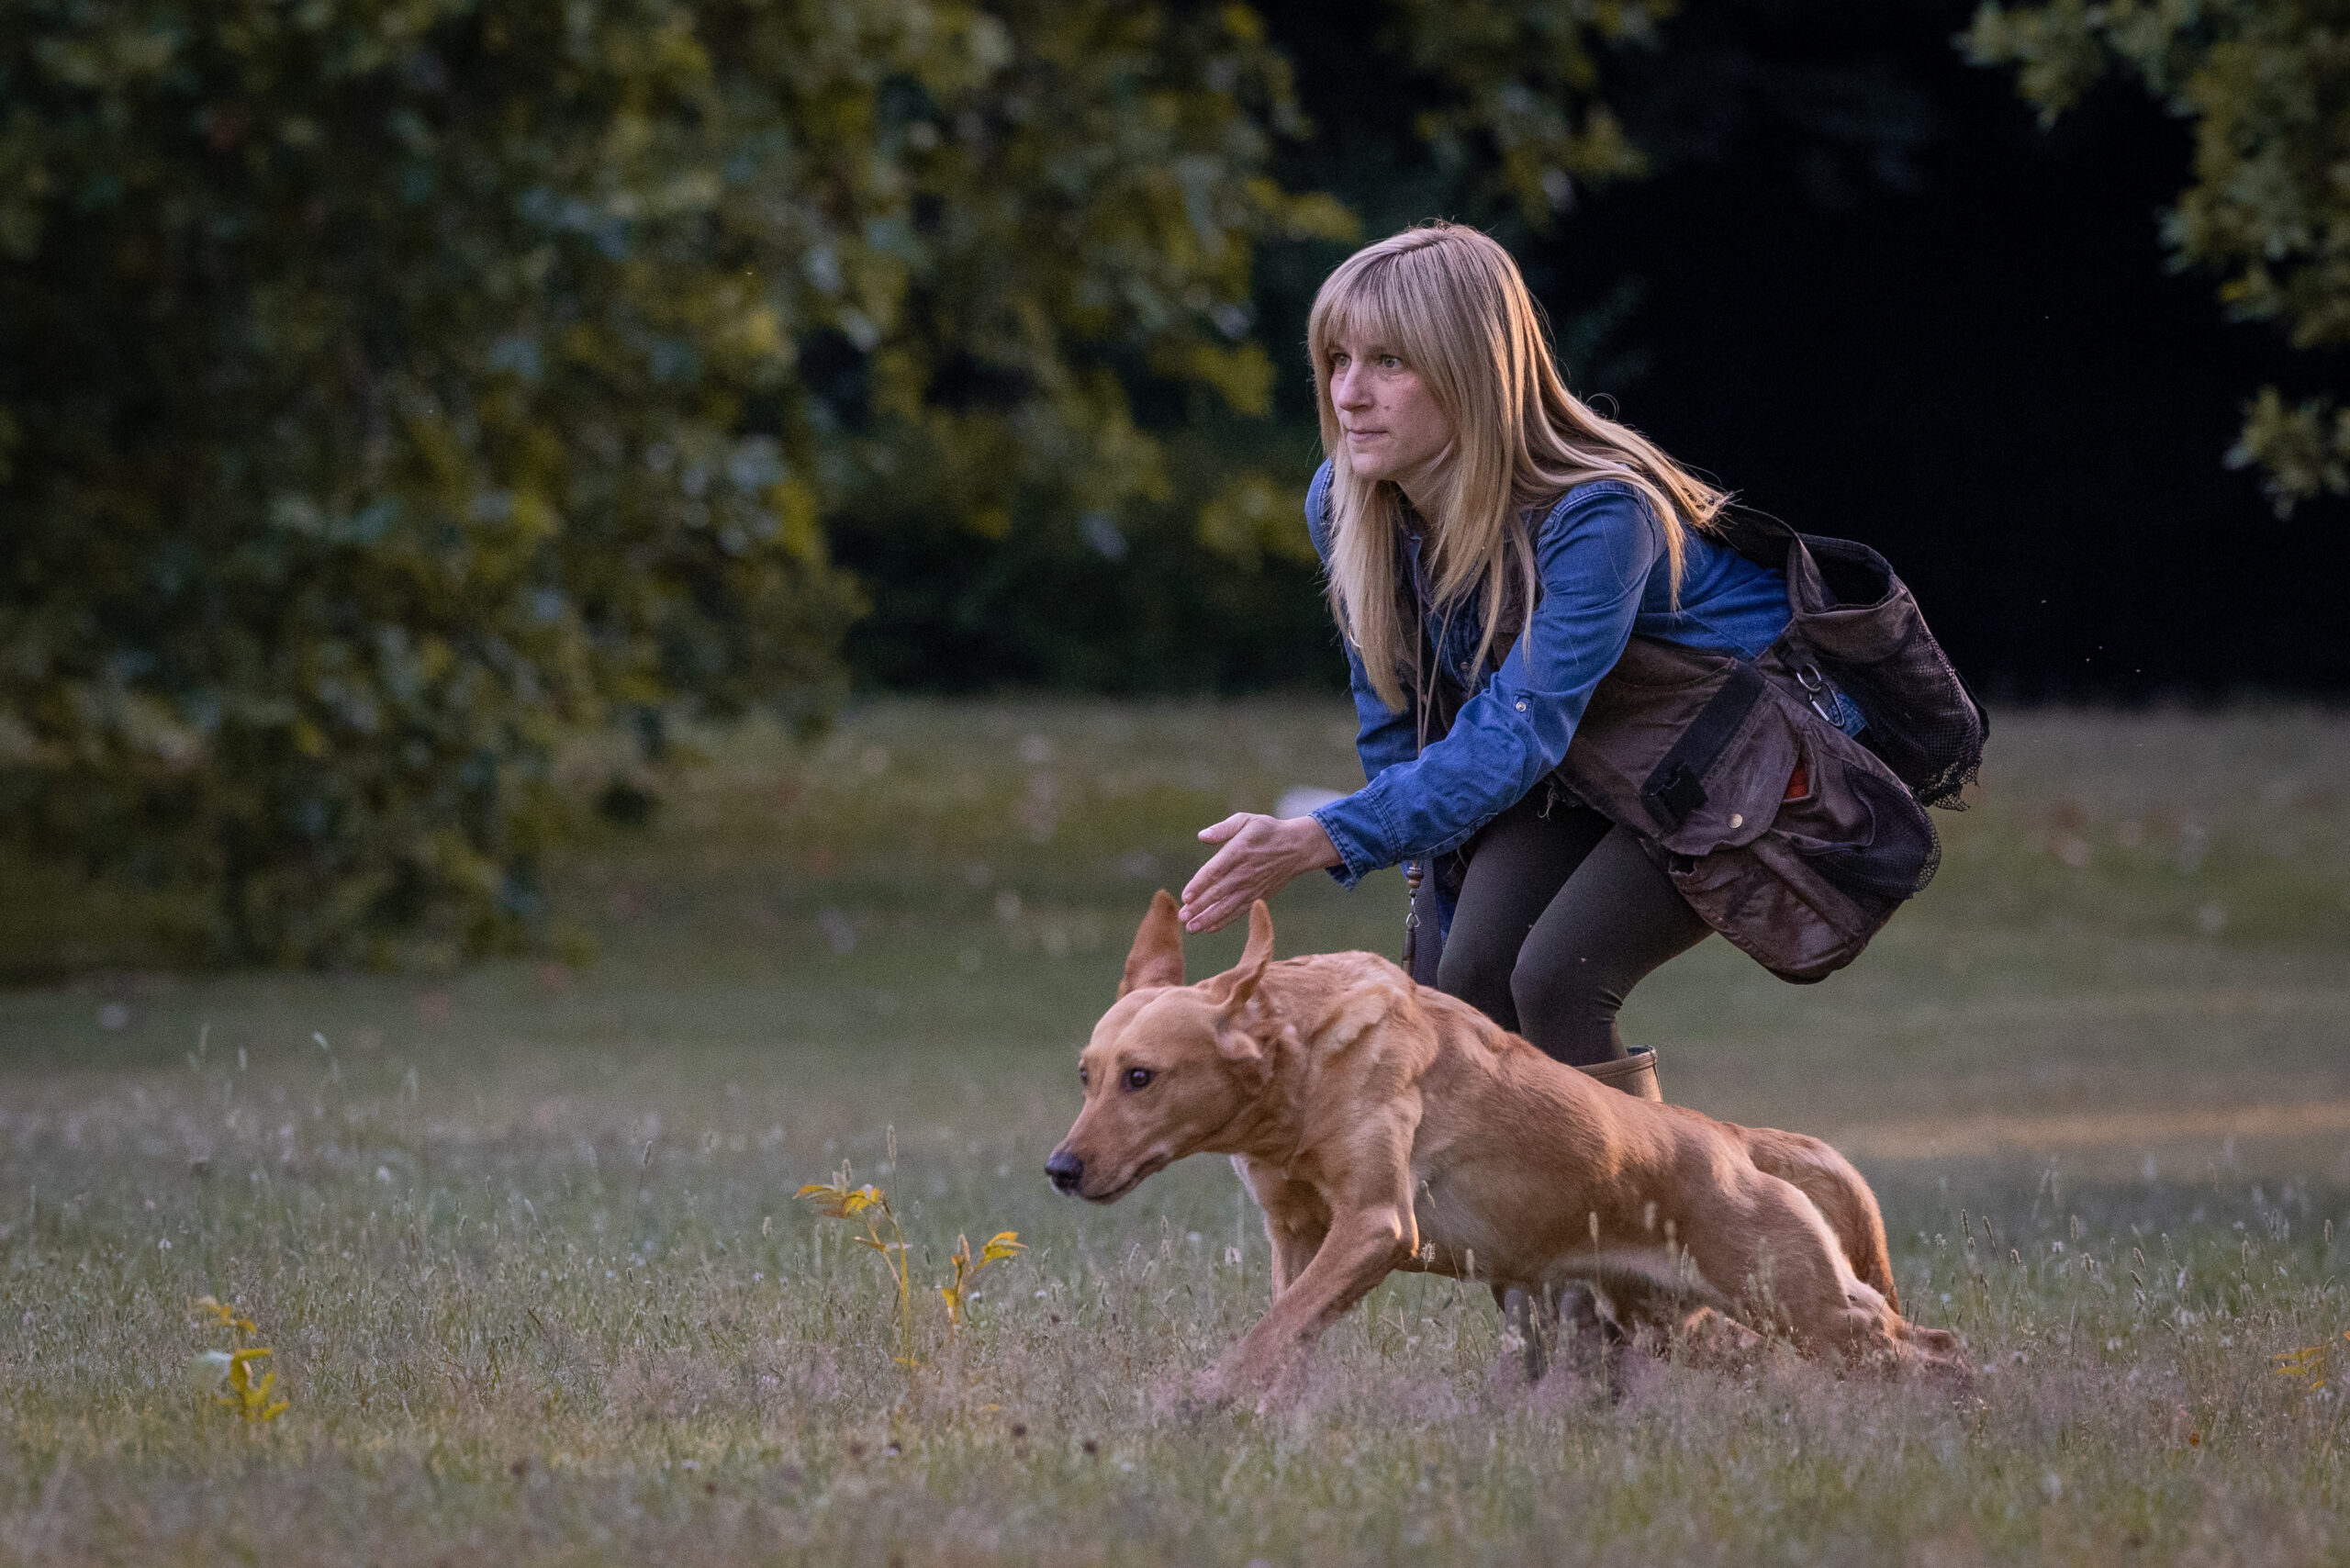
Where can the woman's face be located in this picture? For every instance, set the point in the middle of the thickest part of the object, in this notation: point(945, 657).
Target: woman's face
point(1392, 428)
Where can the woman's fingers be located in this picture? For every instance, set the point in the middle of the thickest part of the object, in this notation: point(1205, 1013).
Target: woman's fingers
point(1205, 922)
point(1212, 886)
point(1210, 889)
point(1259, 856)
point(1217, 915)
point(1216, 833)
point(1252, 864)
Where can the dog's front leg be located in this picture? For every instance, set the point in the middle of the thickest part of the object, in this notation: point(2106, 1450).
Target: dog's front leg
point(1363, 1247)
point(1296, 1217)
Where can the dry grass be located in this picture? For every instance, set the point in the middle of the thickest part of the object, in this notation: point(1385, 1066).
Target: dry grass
point(523, 1244)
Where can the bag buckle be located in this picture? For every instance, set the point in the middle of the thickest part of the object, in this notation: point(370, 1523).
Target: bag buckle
point(1673, 800)
point(1412, 875)
point(1818, 693)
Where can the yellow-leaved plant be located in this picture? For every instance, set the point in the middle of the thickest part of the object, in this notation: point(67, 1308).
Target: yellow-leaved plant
point(955, 1292)
point(2305, 1365)
point(247, 1396)
point(868, 1207)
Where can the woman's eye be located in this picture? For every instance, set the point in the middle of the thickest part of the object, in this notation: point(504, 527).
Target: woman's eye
point(1138, 1077)
point(1084, 1079)
point(1389, 362)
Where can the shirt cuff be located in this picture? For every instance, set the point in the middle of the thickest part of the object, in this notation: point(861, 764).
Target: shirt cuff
point(1356, 858)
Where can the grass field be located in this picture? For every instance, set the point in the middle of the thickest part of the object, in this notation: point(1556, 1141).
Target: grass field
point(523, 1242)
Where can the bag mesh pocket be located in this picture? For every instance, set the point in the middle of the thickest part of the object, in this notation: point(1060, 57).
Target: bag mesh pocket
point(1897, 858)
point(1934, 746)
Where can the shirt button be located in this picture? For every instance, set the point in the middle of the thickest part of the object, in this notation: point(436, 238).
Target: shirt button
point(1521, 704)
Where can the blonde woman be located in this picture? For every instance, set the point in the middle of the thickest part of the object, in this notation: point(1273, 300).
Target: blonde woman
point(1492, 544)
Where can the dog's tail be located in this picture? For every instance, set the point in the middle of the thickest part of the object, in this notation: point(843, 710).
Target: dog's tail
point(1828, 1179)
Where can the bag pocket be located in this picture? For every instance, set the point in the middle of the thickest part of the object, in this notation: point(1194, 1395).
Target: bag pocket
point(1739, 796)
point(1893, 857)
point(1862, 624)
point(1772, 905)
point(1840, 844)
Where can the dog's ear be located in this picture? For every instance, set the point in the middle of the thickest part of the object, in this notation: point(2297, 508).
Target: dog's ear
point(1157, 957)
point(1238, 1045)
point(1246, 1026)
point(1238, 984)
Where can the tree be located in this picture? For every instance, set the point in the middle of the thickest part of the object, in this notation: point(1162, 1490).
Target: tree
point(390, 387)
point(2267, 84)
point(1198, 574)
point(1518, 90)
point(1033, 501)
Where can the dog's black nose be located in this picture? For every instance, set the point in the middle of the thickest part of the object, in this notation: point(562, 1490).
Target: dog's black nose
point(1066, 1169)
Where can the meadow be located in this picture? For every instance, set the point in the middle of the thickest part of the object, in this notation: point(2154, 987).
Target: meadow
point(522, 1238)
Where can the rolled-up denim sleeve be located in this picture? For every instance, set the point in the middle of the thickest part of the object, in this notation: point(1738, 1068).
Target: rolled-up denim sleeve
point(1594, 553)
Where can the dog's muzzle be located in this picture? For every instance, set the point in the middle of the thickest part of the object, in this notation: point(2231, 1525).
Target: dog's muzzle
point(1065, 1170)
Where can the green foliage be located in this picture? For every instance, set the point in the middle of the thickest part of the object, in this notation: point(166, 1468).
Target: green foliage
point(1183, 566)
point(388, 387)
point(1521, 87)
point(1025, 494)
point(2267, 84)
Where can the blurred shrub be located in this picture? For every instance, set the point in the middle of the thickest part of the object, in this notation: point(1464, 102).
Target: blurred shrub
point(1182, 564)
point(386, 386)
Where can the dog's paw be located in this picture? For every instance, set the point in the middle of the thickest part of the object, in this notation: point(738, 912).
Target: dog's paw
point(1209, 1394)
point(1950, 1371)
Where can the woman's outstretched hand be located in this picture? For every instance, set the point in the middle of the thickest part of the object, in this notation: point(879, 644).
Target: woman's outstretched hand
point(1260, 856)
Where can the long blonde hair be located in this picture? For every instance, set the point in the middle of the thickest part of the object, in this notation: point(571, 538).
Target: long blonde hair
point(1451, 302)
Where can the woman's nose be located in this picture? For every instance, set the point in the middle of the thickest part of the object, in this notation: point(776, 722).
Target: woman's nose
point(1348, 391)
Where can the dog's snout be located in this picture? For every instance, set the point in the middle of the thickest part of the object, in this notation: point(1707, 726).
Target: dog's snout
point(1066, 1169)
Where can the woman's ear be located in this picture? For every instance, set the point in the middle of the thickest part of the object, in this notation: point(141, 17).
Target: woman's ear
point(1157, 956)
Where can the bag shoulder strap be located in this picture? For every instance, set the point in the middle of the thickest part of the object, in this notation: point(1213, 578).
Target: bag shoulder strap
point(1843, 572)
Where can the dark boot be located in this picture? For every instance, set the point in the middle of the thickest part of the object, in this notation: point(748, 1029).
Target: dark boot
point(1562, 1323)
point(1522, 1315)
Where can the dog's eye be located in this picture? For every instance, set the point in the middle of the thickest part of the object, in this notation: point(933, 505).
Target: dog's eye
point(1140, 1077)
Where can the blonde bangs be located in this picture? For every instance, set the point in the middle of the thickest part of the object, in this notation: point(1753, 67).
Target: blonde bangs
point(1367, 300)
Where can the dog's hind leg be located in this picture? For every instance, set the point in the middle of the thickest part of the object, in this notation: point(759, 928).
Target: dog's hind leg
point(1792, 1274)
point(1828, 1179)
point(1711, 1339)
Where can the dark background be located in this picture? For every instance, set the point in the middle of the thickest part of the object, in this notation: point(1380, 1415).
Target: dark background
point(1951, 333)
point(1863, 286)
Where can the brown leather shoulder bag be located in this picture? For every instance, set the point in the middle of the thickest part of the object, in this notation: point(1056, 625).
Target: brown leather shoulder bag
point(1790, 837)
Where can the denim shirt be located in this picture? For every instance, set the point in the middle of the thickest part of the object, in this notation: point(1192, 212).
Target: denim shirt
point(1605, 576)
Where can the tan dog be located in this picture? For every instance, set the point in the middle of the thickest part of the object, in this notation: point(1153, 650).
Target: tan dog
point(1382, 1126)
